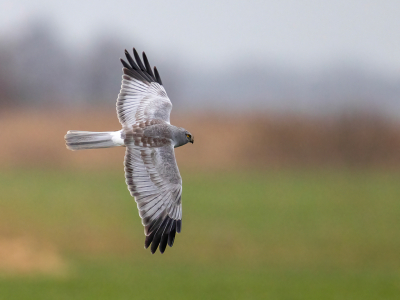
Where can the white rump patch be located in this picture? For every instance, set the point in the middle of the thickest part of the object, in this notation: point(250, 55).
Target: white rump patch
point(116, 138)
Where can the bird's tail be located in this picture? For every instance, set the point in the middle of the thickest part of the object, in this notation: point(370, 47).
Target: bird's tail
point(79, 140)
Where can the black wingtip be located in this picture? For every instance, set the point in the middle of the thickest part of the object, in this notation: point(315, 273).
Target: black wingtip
point(148, 240)
point(147, 64)
point(142, 72)
point(162, 235)
point(138, 60)
point(131, 61)
point(124, 63)
point(158, 78)
point(156, 242)
point(171, 235)
point(163, 243)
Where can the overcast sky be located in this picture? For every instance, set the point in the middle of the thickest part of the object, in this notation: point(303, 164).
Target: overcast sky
point(306, 34)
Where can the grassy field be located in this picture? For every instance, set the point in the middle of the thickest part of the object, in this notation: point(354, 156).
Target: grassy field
point(251, 235)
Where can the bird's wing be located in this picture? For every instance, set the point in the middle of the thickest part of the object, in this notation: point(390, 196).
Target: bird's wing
point(153, 178)
point(142, 96)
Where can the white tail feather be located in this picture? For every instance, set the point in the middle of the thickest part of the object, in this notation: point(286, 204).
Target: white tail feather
point(79, 140)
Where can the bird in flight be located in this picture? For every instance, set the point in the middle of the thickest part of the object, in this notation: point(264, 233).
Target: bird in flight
point(151, 172)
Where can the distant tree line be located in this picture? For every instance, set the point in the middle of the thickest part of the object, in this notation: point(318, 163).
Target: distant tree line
point(35, 68)
point(38, 68)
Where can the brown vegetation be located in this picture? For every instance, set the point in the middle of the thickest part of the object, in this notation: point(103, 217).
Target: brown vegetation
point(36, 138)
point(23, 255)
point(349, 140)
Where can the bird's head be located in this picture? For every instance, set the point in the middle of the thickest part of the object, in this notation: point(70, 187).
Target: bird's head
point(182, 137)
point(189, 137)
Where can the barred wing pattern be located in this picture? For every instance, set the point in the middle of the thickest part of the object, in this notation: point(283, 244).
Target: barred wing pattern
point(151, 171)
point(142, 96)
point(153, 179)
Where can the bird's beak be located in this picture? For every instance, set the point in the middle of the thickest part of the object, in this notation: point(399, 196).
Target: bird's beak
point(192, 140)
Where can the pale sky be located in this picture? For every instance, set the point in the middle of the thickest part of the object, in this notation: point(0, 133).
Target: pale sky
point(211, 33)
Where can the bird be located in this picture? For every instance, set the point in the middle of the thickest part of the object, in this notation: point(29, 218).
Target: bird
point(151, 171)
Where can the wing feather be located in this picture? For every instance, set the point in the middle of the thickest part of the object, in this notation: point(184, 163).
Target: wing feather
point(157, 192)
point(131, 61)
point(147, 64)
point(158, 78)
point(142, 96)
point(138, 60)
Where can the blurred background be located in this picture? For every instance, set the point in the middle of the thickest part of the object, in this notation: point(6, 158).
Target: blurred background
point(290, 192)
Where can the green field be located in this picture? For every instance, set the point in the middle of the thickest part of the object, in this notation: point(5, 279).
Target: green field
point(251, 235)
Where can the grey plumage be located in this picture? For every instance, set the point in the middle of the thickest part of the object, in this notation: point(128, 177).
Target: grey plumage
point(77, 140)
point(151, 172)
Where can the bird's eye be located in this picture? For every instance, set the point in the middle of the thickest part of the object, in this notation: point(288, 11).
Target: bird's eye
point(188, 136)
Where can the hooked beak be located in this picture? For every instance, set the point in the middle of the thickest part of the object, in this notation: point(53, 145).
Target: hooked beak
point(192, 139)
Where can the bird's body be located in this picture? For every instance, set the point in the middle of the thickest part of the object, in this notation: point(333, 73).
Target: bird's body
point(151, 172)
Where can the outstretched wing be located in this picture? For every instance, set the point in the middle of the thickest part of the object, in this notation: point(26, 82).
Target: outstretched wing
point(153, 178)
point(142, 96)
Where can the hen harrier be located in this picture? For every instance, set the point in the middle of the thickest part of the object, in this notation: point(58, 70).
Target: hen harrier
point(151, 172)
